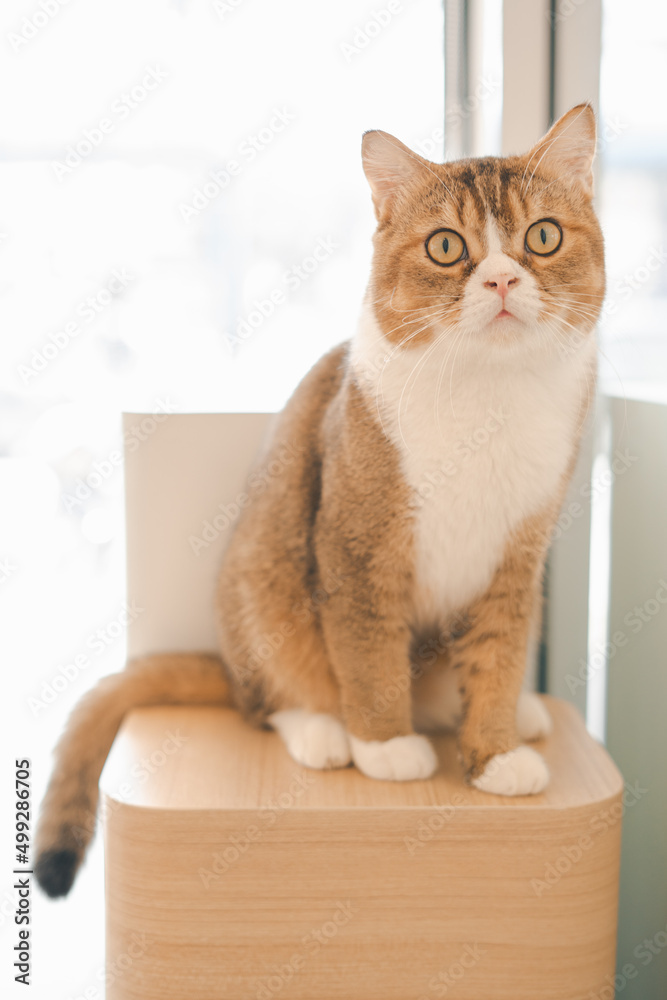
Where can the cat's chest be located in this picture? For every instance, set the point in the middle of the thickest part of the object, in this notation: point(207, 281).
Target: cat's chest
point(478, 464)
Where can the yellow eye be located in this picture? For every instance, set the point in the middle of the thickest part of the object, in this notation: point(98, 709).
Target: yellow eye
point(445, 247)
point(544, 237)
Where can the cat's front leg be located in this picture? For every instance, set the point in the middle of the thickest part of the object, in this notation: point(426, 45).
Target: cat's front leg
point(368, 644)
point(364, 531)
point(490, 662)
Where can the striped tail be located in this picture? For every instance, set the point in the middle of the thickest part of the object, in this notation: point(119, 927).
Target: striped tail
point(68, 812)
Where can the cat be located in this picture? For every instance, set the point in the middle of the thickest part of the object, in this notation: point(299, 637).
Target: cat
point(433, 453)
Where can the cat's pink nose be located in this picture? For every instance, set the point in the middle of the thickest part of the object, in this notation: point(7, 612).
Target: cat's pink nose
point(501, 283)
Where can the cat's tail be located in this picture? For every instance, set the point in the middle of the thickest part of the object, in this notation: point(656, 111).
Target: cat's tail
point(68, 812)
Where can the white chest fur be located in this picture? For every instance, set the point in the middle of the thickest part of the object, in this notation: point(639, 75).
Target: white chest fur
point(482, 446)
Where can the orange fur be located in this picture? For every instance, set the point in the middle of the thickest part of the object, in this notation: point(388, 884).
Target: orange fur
point(325, 557)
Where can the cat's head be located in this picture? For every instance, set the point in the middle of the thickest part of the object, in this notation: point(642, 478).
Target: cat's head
point(505, 254)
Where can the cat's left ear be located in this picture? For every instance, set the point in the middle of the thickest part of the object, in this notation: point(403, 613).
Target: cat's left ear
point(388, 165)
point(568, 148)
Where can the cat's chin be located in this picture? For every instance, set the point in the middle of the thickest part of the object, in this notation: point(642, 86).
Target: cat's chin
point(507, 324)
point(506, 331)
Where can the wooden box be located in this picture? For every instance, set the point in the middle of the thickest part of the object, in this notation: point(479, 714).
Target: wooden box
point(232, 872)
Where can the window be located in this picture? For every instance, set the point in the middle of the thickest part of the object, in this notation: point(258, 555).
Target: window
point(633, 196)
point(185, 225)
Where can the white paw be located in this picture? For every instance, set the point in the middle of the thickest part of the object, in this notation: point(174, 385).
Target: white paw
point(517, 772)
point(532, 719)
point(313, 739)
point(402, 758)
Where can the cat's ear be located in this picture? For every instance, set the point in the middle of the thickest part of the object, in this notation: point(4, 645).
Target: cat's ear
point(568, 148)
point(388, 165)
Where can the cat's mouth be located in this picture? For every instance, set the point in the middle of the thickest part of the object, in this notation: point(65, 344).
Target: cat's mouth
point(506, 324)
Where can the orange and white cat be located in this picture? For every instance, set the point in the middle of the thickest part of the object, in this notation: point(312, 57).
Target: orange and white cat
point(434, 450)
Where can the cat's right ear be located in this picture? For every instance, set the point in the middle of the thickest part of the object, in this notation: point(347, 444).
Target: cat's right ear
point(388, 165)
point(568, 148)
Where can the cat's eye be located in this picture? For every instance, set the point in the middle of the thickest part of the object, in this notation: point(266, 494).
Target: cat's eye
point(445, 247)
point(544, 237)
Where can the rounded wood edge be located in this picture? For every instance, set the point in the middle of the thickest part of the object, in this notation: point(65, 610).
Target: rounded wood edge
point(601, 781)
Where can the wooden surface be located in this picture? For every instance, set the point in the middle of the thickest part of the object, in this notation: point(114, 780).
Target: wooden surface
point(234, 872)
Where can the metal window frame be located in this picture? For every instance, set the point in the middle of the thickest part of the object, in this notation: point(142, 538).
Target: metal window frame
point(556, 46)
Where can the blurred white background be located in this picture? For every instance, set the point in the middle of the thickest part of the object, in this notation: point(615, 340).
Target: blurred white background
point(632, 196)
point(165, 95)
point(133, 279)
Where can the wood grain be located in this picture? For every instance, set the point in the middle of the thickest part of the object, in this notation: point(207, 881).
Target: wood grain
point(231, 871)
